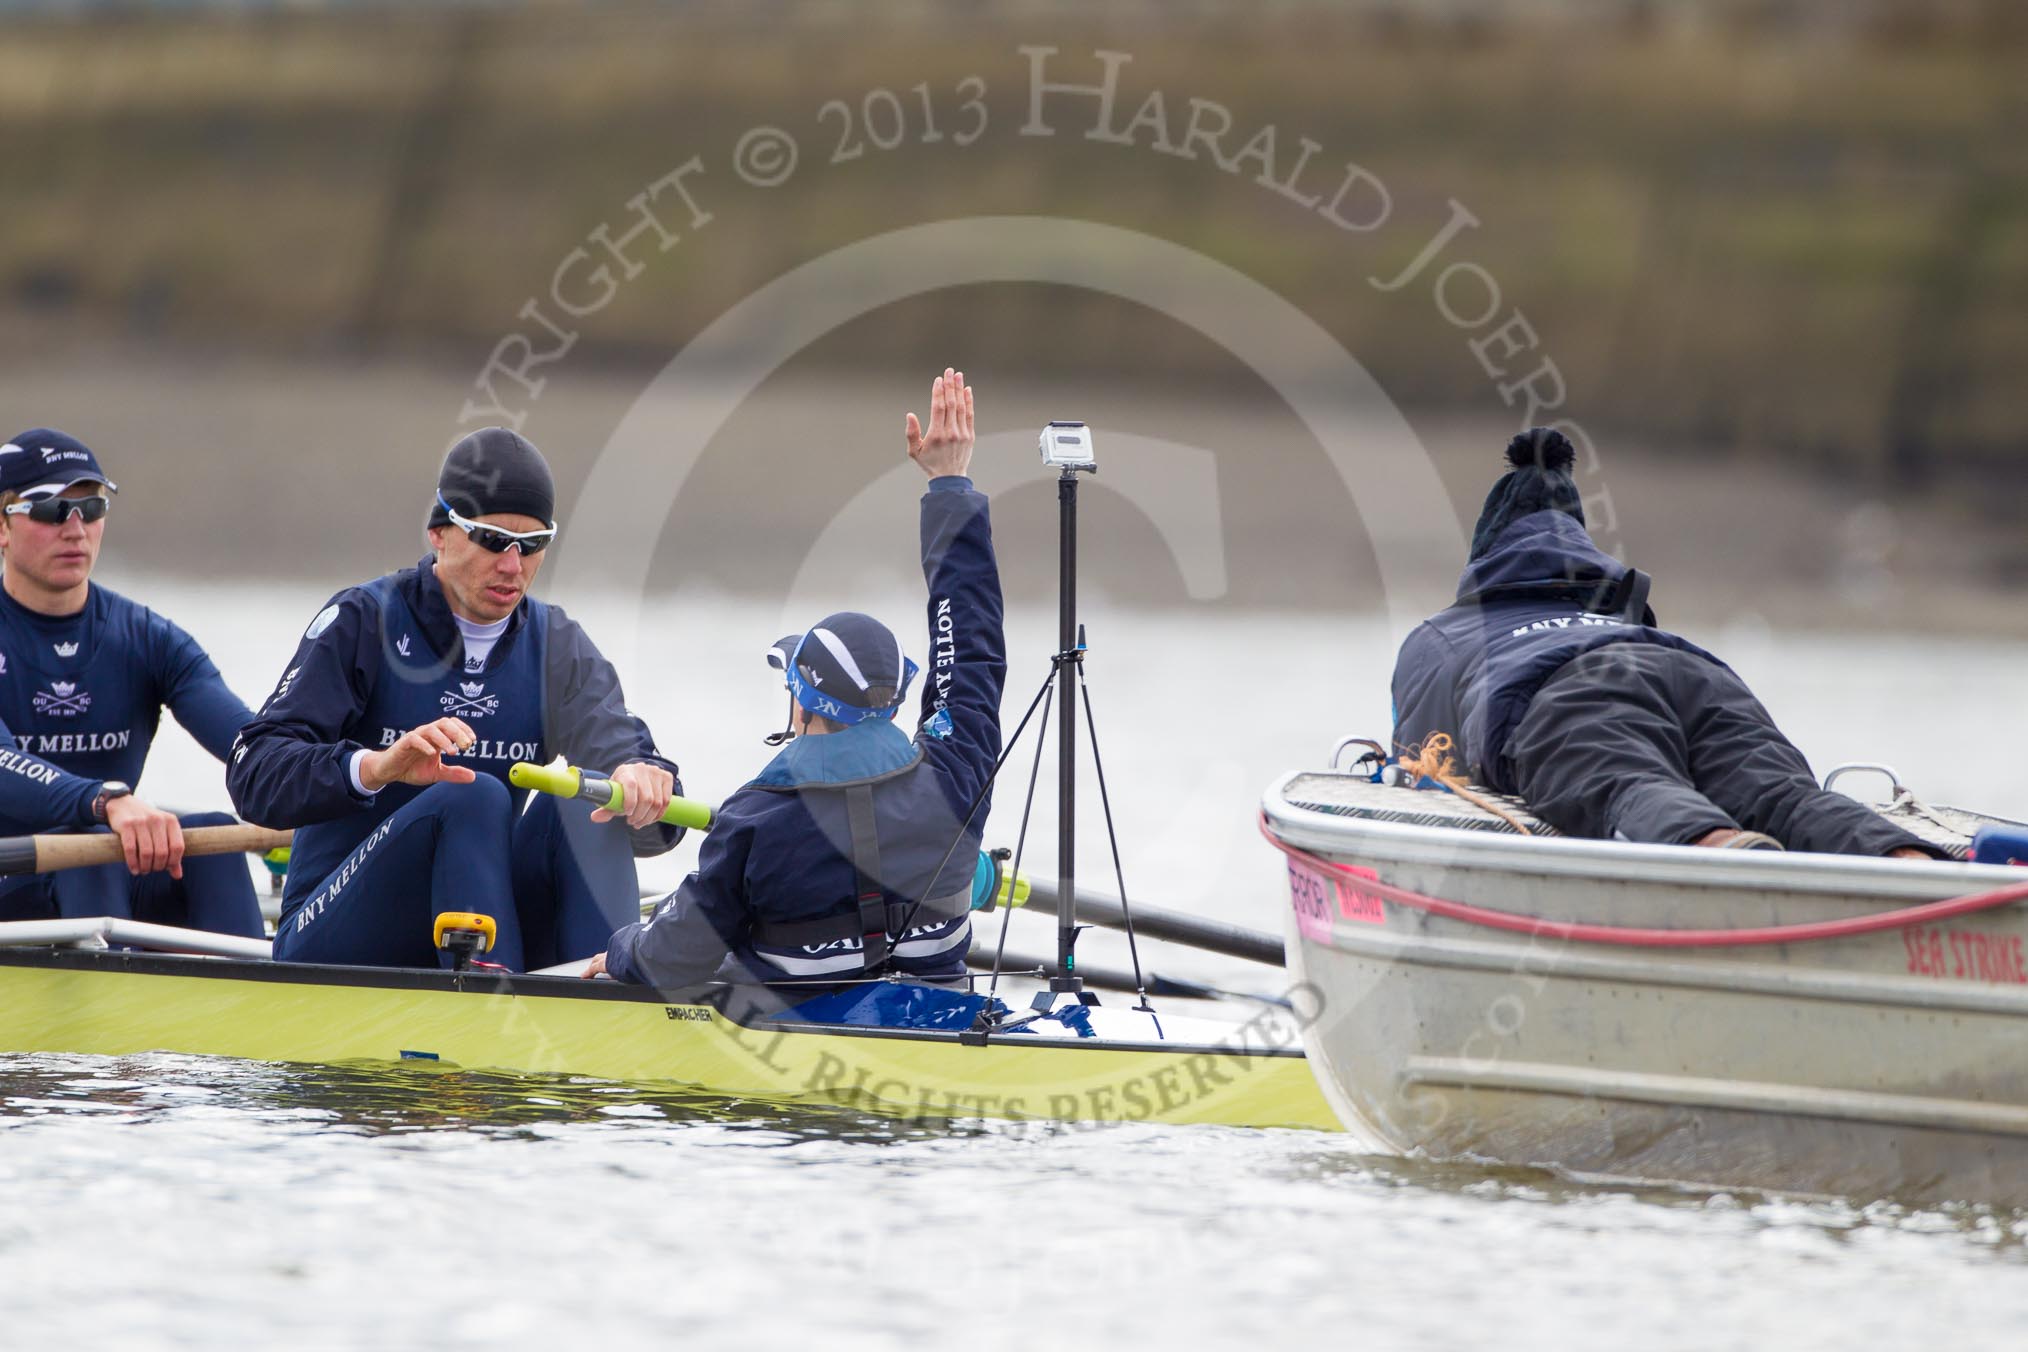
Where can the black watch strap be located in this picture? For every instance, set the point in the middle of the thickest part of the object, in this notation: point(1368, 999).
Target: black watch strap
point(108, 791)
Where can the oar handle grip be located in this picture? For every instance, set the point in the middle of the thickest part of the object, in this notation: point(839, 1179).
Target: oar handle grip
point(570, 782)
point(47, 854)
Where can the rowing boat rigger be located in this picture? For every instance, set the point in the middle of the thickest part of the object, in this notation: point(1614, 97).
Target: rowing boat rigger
point(890, 1047)
point(1801, 1022)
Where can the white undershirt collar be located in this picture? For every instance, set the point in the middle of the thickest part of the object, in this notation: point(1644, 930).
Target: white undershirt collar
point(479, 639)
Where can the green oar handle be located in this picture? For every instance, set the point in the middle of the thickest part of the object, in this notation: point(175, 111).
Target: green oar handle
point(571, 782)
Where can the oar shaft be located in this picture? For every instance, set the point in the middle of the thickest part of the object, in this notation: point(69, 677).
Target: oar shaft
point(1153, 922)
point(46, 854)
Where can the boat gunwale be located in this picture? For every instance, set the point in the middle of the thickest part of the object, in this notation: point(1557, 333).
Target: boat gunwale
point(1857, 877)
point(426, 979)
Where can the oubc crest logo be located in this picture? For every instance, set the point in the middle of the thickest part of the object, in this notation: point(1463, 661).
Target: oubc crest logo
point(473, 703)
point(62, 698)
point(65, 649)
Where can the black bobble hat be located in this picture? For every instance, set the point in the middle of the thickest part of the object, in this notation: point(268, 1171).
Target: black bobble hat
point(1538, 482)
point(494, 470)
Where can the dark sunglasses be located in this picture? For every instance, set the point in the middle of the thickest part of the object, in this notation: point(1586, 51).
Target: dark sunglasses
point(491, 538)
point(55, 511)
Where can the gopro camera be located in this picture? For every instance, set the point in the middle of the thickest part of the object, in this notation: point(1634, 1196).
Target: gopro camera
point(1067, 445)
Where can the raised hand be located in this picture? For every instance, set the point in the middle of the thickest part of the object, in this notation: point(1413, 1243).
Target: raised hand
point(946, 447)
point(417, 757)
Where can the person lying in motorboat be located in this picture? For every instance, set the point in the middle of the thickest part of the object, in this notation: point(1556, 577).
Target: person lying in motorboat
point(1555, 682)
point(852, 852)
point(85, 674)
point(387, 741)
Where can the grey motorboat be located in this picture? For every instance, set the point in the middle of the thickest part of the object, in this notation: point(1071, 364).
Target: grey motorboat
point(1787, 1021)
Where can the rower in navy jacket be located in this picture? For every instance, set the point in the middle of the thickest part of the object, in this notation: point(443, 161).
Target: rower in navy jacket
point(449, 659)
point(851, 853)
point(84, 676)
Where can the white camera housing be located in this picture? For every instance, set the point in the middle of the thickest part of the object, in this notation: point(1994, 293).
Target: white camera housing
point(1067, 445)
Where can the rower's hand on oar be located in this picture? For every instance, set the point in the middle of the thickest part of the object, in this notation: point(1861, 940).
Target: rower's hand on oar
point(417, 757)
point(648, 789)
point(596, 967)
point(946, 447)
point(152, 838)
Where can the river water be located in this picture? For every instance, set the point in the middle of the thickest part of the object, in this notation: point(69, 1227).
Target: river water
point(172, 1201)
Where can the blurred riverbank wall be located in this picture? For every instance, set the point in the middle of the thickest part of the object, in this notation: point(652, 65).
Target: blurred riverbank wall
point(1796, 231)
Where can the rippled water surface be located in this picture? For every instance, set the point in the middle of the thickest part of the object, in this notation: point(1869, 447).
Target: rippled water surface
point(171, 1201)
point(167, 1201)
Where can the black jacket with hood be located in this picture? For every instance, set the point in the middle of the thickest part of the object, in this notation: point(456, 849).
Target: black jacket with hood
point(1542, 594)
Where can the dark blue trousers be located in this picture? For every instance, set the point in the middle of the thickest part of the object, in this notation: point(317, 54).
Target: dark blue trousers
point(215, 893)
point(555, 884)
point(1640, 742)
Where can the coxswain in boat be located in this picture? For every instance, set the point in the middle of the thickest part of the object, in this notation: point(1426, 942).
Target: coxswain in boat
point(1555, 682)
point(84, 676)
point(387, 740)
point(852, 852)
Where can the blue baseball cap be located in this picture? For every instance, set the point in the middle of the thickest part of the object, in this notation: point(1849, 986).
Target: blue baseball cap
point(847, 667)
point(43, 457)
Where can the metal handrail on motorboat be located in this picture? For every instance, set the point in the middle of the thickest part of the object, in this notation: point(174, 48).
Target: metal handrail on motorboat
point(1647, 937)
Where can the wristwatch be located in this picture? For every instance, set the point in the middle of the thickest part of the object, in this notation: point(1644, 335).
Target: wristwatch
point(108, 791)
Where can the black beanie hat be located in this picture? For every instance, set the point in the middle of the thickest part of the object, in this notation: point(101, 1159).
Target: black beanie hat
point(1539, 482)
point(495, 470)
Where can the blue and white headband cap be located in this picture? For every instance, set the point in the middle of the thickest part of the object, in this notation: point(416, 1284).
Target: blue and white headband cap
point(848, 667)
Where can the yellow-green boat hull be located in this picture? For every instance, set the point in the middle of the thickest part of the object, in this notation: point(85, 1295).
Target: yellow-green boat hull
point(119, 1004)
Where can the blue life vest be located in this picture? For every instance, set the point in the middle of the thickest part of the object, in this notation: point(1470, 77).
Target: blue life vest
point(842, 779)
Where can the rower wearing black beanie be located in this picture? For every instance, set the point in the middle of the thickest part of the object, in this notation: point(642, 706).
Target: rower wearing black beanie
point(387, 742)
point(1554, 681)
point(494, 471)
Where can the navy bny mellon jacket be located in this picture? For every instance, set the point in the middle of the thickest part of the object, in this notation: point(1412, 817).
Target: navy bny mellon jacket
point(778, 855)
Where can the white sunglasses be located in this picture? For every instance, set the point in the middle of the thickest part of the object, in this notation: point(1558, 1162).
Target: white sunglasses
point(496, 541)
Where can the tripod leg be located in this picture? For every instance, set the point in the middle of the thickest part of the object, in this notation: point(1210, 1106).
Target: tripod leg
point(1021, 841)
point(1112, 838)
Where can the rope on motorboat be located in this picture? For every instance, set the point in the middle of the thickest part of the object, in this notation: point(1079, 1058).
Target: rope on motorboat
point(1640, 937)
point(1432, 760)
